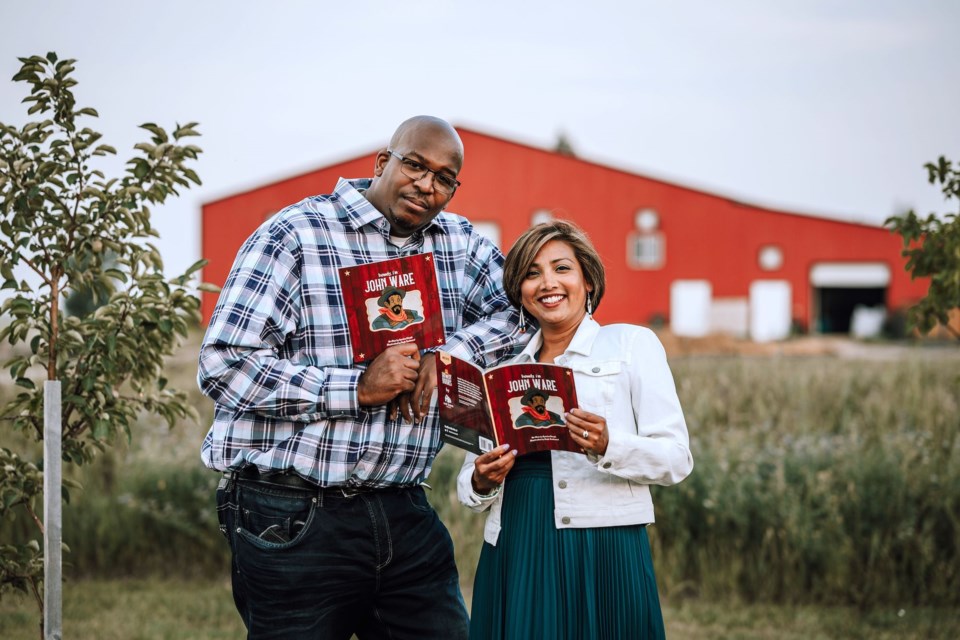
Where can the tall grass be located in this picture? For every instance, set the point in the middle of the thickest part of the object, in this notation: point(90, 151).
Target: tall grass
point(816, 480)
point(149, 520)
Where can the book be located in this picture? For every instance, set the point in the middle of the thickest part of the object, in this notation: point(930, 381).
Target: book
point(392, 302)
point(522, 404)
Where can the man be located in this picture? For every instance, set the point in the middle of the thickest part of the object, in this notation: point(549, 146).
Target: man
point(392, 314)
point(535, 413)
point(321, 501)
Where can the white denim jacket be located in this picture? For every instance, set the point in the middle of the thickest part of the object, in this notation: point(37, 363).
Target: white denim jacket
point(621, 373)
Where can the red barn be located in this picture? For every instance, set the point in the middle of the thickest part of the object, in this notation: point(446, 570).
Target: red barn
point(699, 260)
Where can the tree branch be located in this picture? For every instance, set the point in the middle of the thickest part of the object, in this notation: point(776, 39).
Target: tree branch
point(34, 423)
point(10, 250)
point(36, 520)
point(39, 598)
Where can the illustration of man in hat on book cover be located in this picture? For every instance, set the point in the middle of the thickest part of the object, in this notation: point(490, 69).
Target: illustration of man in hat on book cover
point(392, 314)
point(535, 413)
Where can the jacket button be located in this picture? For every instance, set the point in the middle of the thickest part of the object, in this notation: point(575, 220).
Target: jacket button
point(596, 369)
point(607, 465)
point(565, 520)
point(562, 484)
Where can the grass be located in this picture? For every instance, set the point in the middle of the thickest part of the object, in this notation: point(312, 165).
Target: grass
point(154, 609)
point(138, 609)
point(817, 480)
point(824, 502)
point(728, 621)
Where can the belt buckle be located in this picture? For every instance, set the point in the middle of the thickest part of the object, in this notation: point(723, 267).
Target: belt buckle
point(349, 492)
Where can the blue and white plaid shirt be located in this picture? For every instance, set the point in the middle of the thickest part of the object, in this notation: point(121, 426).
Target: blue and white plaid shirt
point(277, 361)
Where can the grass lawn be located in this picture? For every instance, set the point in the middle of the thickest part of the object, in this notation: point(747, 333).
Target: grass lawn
point(177, 610)
point(132, 610)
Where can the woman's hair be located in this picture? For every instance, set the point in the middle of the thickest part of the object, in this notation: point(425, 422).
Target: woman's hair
point(527, 246)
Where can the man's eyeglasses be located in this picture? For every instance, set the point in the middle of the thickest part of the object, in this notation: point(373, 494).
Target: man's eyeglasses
point(412, 169)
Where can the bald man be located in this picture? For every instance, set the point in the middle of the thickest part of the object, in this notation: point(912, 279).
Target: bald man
point(323, 459)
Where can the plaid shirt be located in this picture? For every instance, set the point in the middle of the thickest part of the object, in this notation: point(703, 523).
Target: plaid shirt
point(277, 360)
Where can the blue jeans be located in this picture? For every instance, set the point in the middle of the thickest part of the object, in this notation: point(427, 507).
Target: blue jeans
point(316, 564)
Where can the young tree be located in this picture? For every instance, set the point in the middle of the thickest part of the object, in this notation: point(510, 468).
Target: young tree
point(78, 231)
point(932, 248)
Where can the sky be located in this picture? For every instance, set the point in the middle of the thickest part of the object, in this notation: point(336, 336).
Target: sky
point(823, 107)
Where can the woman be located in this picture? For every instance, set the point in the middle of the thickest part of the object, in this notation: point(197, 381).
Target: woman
point(566, 553)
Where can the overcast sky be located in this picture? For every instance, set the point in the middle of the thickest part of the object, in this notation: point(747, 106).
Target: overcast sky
point(823, 107)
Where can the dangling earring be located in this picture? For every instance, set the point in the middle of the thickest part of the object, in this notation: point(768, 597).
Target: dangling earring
point(523, 323)
point(589, 306)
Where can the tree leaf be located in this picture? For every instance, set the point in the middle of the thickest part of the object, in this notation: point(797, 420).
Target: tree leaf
point(196, 266)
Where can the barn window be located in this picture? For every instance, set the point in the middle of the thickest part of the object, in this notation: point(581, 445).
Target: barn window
point(770, 258)
point(646, 220)
point(489, 230)
point(645, 246)
point(541, 216)
point(646, 250)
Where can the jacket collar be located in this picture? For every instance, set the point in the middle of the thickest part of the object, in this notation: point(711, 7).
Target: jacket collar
point(582, 342)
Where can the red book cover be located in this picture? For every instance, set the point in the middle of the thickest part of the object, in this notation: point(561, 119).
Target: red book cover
point(392, 302)
point(521, 404)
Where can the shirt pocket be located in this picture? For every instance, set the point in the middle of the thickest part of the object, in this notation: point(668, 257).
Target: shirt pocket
point(597, 383)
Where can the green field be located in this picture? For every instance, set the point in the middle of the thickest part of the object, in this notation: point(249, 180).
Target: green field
point(155, 609)
point(825, 503)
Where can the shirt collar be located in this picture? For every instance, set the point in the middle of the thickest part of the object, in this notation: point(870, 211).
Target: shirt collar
point(581, 343)
point(359, 210)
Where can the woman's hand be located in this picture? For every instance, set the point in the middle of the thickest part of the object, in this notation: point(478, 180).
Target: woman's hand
point(589, 431)
point(491, 468)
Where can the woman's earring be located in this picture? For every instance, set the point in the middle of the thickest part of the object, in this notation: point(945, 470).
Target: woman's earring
point(589, 306)
point(523, 324)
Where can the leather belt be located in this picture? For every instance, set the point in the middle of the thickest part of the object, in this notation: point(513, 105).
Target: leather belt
point(290, 479)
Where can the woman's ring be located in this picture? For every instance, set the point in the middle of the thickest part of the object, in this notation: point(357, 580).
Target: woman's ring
point(586, 434)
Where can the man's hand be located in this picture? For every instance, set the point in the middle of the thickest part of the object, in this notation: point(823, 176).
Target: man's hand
point(391, 373)
point(419, 400)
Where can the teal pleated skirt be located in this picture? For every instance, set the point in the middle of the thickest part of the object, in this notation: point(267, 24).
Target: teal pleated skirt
point(556, 584)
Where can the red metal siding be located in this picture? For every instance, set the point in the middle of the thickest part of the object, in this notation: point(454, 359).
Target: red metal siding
point(707, 236)
point(228, 222)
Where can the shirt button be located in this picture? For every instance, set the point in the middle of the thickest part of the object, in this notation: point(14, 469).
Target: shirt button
point(596, 369)
point(562, 484)
point(565, 520)
point(607, 465)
